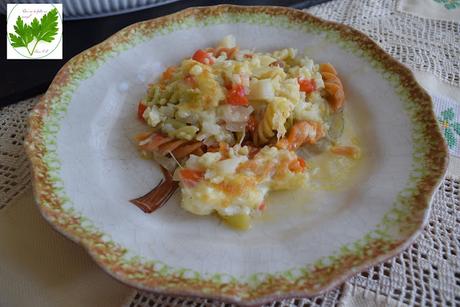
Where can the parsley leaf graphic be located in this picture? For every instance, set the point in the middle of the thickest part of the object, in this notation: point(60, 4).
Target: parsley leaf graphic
point(35, 27)
point(24, 35)
point(43, 30)
point(47, 28)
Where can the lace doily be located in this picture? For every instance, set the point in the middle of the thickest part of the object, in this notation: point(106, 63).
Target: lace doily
point(14, 168)
point(427, 273)
point(144, 299)
point(424, 44)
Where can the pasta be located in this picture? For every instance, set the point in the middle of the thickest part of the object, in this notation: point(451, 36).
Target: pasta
point(265, 127)
point(274, 119)
point(178, 148)
point(333, 86)
point(166, 150)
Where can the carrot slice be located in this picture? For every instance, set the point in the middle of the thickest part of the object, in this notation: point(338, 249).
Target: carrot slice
point(190, 177)
point(167, 74)
point(202, 57)
point(224, 150)
point(347, 151)
point(236, 96)
point(298, 165)
point(142, 136)
point(140, 111)
point(307, 85)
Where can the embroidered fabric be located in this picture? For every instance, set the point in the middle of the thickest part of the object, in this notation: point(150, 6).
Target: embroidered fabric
point(448, 113)
point(433, 9)
point(424, 44)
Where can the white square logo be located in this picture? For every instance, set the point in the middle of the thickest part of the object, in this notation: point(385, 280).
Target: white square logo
point(34, 31)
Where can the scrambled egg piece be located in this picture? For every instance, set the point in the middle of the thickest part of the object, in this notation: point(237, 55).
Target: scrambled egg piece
point(230, 183)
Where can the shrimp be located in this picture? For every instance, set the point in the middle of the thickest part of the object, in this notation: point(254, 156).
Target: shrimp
point(303, 132)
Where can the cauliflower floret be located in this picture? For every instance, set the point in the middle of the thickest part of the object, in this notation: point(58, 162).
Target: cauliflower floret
point(225, 136)
point(318, 80)
point(307, 63)
point(285, 54)
point(185, 133)
point(305, 73)
point(289, 89)
point(208, 159)
point(316, 98)
point(266, 60)
point(228, 41)
point(167, 110)
point(228, 166)
point(153, 116)
point(221, 169)
point(209, 129)
point(281, 108)
point(261, 89)
point(196, 70)
point(307, 111)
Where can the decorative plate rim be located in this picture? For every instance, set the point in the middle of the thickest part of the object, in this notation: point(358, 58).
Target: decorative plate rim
point(375, 247)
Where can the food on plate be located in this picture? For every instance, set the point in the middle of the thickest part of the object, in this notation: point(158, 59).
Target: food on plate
point(226, 125)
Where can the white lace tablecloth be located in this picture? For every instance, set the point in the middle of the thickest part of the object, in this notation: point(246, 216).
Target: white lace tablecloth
point(40, 268)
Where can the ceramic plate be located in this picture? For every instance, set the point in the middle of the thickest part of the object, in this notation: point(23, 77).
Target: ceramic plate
point(86, 168)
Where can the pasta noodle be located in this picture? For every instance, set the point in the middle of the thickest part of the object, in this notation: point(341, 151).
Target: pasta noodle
point(275, 116)
point(333, 86)
point(264, 129)
point(165, 145)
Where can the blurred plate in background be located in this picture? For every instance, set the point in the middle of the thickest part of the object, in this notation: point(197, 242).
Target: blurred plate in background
point(80, 9)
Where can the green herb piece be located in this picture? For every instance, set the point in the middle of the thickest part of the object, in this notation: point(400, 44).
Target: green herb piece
point(44, 30)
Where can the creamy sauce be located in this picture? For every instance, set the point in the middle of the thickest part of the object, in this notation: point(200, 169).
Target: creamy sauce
point(333, 175)
point(334, 172)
